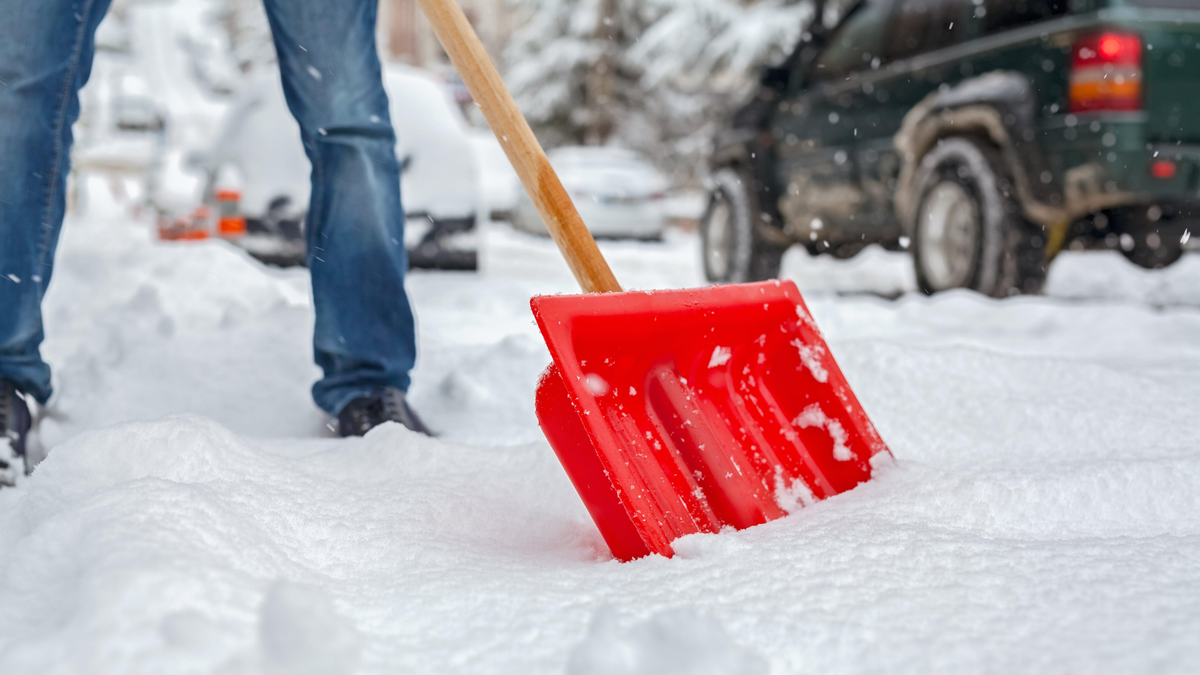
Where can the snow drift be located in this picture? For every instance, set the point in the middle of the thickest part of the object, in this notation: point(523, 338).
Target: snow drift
point(1043, 514)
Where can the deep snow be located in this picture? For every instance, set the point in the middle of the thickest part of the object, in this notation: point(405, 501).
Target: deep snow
point(1043, 514)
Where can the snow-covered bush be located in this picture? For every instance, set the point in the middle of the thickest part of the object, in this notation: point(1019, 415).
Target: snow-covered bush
point(698, 40)
point(657, 75)
point(570, 68)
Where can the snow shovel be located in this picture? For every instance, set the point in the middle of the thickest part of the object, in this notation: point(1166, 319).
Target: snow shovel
point(673, 412)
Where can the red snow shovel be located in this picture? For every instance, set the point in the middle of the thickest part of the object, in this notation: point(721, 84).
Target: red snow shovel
point(673, 412)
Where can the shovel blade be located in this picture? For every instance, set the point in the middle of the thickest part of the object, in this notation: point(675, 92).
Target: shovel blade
point(677, 412)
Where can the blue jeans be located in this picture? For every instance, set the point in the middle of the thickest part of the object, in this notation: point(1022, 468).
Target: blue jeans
point(365, 336)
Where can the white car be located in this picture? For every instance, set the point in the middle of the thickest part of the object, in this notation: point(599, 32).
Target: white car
point(259, 158)
point(501, 186)
point(617, 191)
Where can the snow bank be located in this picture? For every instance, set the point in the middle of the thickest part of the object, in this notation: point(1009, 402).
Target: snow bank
point(188, 540)
point(1000, 540)
point(161, 329)
point(299, 633)
point(1108, 276)
point(874, 270)
point(1087, 276)
point(670, 643)
point(1043, 514)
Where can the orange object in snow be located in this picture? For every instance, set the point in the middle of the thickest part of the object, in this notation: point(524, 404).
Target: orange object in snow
point(673, 412)
point(231, 226)
point(192, 228)
point(196, 234)
point(229, 222)
point(182, 230)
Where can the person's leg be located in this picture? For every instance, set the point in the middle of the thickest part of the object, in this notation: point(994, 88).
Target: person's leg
point(364, 337)
point(46, 51)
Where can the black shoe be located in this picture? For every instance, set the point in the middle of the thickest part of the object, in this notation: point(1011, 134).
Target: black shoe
point(15, 422)
point(385, 404)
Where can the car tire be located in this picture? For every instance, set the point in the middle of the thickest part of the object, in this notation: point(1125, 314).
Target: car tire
point(1152, 257)
point(1152, 245)
point(969, 231)
point(734, 251)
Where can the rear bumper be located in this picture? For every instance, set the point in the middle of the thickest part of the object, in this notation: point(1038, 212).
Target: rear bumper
point(1113, 155)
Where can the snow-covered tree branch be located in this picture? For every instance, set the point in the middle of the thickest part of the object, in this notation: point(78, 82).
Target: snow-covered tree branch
point(656, 75)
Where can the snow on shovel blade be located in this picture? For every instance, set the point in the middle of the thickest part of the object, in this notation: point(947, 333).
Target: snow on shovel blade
point(675, 412)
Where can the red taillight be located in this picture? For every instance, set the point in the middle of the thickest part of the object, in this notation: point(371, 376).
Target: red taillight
point(1110, 47)
point(1162, 169)
point(1106, 72)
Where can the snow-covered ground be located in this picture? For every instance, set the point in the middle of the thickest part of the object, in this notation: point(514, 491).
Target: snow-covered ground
point(195, 514)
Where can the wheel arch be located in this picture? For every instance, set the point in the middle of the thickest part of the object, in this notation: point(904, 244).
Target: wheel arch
point(998, 109)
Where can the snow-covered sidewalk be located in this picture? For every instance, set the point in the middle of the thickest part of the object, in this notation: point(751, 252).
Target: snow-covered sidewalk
point(1043, 514)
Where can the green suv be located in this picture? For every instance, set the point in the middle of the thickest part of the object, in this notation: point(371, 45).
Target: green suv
point(984, 136)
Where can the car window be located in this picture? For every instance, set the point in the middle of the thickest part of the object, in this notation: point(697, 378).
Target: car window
point(922, 26)
point(854, 45)
point(1001, 15)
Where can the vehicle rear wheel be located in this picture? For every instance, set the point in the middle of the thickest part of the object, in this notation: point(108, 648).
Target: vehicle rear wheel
point(1153, 258)
point(1151, 244)
point(734, 250)
point(969, 231)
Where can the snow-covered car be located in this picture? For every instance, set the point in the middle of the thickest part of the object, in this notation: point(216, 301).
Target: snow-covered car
point(257, 163)
point(134, 108)
point(501, 186)
point(618, 193)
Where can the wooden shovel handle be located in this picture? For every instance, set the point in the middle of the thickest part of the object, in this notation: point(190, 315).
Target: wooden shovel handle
point(521, 146)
